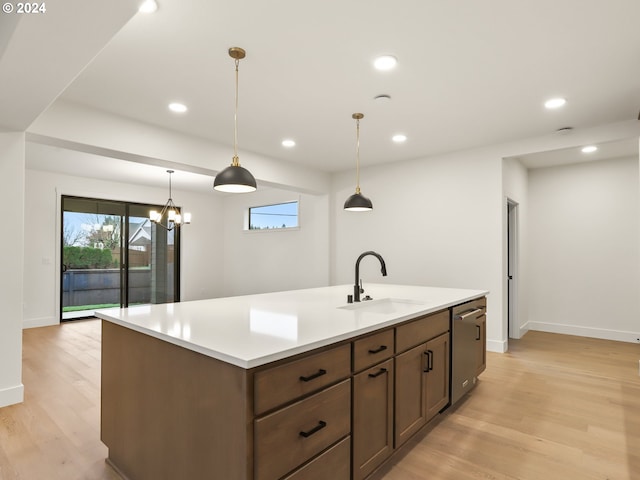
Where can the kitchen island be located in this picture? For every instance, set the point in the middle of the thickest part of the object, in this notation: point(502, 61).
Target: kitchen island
point(273, 385)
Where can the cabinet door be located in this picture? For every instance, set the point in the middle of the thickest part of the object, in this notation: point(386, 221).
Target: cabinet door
point(481, 344)
point(372, 433)
point(437, 381)
point(410, 406)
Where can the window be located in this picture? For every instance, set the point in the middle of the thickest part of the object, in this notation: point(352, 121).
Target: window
point(270, 217)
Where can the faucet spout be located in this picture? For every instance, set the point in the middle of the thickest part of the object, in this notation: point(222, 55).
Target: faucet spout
point(357, 287)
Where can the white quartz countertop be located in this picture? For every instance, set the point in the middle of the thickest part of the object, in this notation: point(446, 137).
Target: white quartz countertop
point(252, 330)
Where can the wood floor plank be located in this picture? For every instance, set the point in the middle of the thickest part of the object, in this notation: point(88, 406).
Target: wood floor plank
point(553, 407)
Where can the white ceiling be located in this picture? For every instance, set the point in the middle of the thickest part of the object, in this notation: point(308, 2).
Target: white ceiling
point(566, 156)
point(470, 73)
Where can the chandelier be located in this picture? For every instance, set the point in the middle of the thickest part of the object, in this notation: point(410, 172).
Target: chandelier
point(169, 212)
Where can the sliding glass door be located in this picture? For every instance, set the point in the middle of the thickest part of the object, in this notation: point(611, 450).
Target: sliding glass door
point(113, 256)
point(152, 254)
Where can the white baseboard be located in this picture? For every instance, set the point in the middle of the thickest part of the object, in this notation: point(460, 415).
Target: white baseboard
point(580, 331)
point(524, 329)
point(12, 395)
point(39, 322)
point(496, 346)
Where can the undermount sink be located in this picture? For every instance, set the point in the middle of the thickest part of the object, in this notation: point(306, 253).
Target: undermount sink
point(384, 305)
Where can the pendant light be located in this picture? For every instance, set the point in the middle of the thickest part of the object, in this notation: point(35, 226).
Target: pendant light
point(173, 215)
point(234, 178)
point(358, 202)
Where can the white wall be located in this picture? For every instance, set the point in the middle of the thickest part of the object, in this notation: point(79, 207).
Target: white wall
point(584, 249)
point(12, 162)
point(268, 261)
point(200, 250)
point(436, 222)
point(515, 188)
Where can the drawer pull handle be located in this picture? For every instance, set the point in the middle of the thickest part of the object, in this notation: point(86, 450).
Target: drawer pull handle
point(381, 348)
point(378, 373)
point(315, 429)
point(319, 373)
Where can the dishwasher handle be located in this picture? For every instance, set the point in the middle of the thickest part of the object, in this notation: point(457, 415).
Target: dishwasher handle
point(470, 313)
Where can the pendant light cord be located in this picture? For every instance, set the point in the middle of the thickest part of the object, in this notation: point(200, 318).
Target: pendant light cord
point(236, 161)
point(357, 155)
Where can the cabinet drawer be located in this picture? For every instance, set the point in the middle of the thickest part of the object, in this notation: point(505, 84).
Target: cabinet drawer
point(373, 349)
point(278, 385)
point(291, 436)
point(421, 330)
point(334, 464)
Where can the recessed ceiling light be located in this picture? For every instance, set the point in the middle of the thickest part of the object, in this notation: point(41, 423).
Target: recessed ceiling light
point(288, 143)
point(385, 62)
point(148, 6)
point(555, 103)
point(382, 98)
point(399, 138)
point(589, 149)
point(177, 107)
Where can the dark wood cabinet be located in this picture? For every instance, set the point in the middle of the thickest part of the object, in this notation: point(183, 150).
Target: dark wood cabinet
point(422, 380)
point(437, 374)
point(372, 433)
point(410, 413)
point(338, 412)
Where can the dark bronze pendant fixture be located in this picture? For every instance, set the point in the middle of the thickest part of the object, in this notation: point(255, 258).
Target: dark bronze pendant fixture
point(358, 202)
point(235, 178)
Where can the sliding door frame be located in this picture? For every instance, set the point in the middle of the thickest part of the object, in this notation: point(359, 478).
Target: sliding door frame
point(124, 270)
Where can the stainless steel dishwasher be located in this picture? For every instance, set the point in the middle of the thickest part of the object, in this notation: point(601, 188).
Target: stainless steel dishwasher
point(467, 345)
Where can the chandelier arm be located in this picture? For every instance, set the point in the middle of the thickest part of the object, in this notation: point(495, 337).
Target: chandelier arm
point(168, 229)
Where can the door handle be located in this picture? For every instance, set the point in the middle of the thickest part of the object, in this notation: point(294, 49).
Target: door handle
point(429, 367)
point(478, 332)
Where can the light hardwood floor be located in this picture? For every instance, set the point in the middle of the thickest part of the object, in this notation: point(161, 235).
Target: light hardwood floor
point(554, 407)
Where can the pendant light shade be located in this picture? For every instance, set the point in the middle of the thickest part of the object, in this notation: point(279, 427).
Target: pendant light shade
point(235, 178)
point(358, 202)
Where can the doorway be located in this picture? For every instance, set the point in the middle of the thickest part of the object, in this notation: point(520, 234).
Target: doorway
point(113, 256)
point(513, 329)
